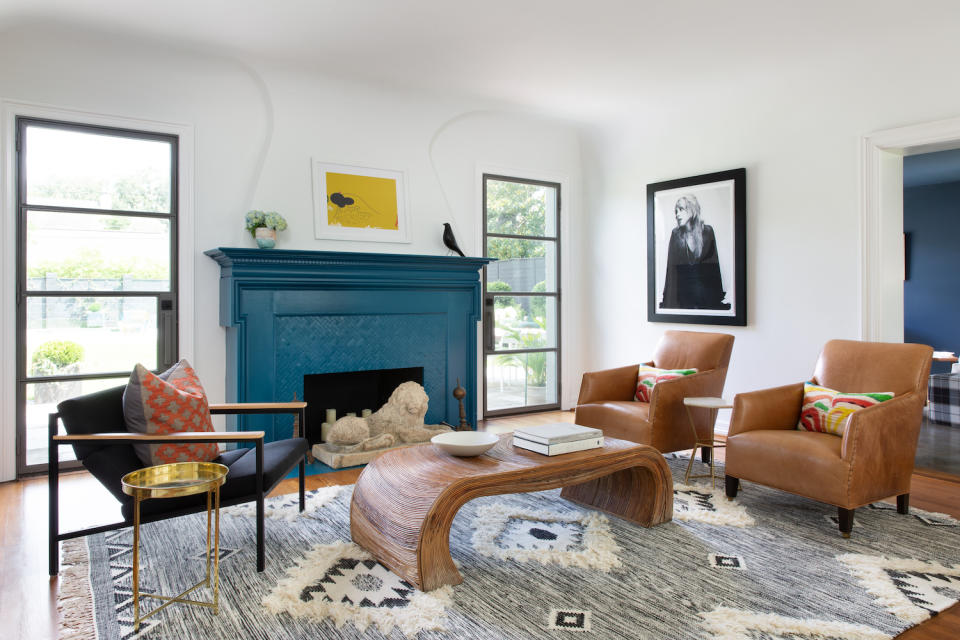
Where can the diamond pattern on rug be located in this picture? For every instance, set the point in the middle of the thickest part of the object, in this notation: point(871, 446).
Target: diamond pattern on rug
point(719, 561)
point(725, 623)
point(568, 620)
point(342, 583)
point(365, 583)
point(523, 533)
point(910, 589)
point(568, 539)
point(705, 504)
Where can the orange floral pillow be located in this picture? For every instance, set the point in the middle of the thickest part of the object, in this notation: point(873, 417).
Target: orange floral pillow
point(172, 402)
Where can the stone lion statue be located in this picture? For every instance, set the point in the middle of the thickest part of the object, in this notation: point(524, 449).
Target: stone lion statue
point(399, 421)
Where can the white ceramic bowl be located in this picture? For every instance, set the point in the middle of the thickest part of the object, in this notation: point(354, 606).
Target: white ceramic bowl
point(465, 443)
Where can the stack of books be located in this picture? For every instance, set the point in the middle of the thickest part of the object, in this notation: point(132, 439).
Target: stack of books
point(559, 437)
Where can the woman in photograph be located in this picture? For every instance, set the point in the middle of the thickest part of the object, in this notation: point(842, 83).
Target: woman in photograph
point(693, 269)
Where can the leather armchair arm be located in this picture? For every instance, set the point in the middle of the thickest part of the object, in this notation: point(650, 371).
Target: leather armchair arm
point(609, 384)
point(776, 408)
point(880, 443)
point(699, 384)
point(666, 402)
point(887, 430)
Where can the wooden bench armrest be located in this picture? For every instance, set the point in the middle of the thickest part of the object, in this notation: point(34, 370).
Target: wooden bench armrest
point(257, 407)
point(186, 436)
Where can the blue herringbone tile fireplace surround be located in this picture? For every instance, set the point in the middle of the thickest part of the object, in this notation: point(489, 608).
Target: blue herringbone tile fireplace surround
point(293, 313)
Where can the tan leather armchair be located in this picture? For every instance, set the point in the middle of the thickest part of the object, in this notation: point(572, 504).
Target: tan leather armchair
point(607, 397)
point(874, 458)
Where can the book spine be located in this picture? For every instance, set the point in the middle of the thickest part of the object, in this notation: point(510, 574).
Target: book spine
point(560, 448)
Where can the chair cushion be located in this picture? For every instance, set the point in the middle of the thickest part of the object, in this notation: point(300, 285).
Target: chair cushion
point(648, 377)
point(278, 459)
point(801, 462)
point(827, 411)
point(171, 402)
point(624, 419)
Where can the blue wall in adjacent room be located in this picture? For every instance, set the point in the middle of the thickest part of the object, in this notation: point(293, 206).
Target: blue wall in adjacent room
point(931, 296)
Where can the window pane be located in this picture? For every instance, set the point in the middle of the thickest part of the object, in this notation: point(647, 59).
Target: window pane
point(521, 209)
point(521, 380)
point(80, 252)
point(97, 171)
point(522, 265)
point(42, 400)
point(69, 336)
point(524, 322)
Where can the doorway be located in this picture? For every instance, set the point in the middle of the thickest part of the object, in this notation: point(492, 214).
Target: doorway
point(931, 228)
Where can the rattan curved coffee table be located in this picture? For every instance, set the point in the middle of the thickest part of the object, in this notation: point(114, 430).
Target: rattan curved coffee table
point(405, 500)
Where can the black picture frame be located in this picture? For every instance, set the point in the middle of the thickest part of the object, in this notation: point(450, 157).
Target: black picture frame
point(697, 249)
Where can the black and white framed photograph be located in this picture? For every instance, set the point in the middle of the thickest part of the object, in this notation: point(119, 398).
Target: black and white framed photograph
point(696, 249)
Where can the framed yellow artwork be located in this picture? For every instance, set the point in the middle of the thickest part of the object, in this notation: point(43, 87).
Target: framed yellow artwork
point(359, 203)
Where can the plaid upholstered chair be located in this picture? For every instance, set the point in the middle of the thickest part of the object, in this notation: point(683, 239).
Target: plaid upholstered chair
point(95, 426)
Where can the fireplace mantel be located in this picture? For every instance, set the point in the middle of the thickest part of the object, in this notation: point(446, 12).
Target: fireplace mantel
point(292, 313)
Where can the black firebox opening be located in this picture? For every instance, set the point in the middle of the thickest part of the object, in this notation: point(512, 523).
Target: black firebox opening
point(350, 392)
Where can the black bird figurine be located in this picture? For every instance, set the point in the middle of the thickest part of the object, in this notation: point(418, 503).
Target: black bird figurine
point(449, 239)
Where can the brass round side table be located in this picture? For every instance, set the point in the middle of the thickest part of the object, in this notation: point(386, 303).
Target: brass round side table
point(174, 481)
point(704, 403)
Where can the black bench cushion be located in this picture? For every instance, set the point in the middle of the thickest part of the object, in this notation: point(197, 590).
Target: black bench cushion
point(108, 462)
point(278, 458)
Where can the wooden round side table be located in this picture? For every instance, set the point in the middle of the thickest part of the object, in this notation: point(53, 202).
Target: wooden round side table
point(174, 481)
point(704, 403)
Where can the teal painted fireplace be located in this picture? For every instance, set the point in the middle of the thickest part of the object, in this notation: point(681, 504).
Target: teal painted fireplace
point(294, 313)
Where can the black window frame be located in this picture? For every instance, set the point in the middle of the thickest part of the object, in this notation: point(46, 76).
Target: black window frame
point(167, 301)
point(488, 299)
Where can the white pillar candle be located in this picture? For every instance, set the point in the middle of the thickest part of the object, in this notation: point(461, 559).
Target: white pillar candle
point(352, 415)
point(331, 416)
point(365, 413)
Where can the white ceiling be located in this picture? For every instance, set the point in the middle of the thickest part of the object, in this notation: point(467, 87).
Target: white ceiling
point(582, 59)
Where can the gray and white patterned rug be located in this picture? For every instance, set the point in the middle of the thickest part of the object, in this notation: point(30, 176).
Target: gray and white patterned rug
point(766, 566)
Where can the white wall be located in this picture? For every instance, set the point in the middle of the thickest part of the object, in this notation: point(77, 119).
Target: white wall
point(257, 128)
point(798, 135)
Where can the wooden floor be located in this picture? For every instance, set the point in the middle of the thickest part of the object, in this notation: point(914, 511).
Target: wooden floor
point(28, 596)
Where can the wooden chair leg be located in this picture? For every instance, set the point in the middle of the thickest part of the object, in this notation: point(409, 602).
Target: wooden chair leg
point(845, 516)
point(705, 454)
point(732, 486)
point(903, 503)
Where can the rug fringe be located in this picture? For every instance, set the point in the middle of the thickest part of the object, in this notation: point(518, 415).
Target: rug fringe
point(75, 601)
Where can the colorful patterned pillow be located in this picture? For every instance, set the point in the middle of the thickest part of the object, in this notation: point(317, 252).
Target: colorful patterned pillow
point(827, 411)
point(648, 377)
point(171, 402)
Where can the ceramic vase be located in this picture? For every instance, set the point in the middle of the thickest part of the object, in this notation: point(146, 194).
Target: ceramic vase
point(266, 238)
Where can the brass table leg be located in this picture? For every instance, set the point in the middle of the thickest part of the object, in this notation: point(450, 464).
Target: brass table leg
point(136, 563)
point(216, 552)
point(214, 513)
point(701, 444)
